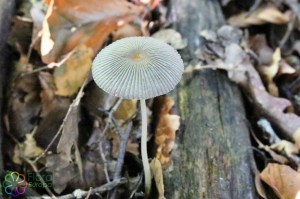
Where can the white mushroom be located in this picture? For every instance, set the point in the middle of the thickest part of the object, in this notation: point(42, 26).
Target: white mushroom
point(138, 68)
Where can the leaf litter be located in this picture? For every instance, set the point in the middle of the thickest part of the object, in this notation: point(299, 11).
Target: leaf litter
point(80, 142)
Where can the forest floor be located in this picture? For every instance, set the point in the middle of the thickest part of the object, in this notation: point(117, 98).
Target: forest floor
point(69, 139)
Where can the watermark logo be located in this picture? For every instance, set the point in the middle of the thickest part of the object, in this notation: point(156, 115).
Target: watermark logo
point(14, 184)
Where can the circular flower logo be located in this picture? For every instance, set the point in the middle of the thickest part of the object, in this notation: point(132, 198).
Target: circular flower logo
point(14, 184)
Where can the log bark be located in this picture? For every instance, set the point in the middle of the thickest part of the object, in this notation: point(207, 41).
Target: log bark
point(213, 157)
point(6, 12)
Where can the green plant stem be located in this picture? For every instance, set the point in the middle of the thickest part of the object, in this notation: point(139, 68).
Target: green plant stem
point(144, 153)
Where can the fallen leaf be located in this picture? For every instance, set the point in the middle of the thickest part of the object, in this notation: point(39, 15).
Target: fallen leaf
point(258, 182)
point(63, 171)
point(262, 15)
point(269, 72)
point(156, 171)
point(132, 147)
point(70, 76)
point(237, 63)
point(128, 30)
point(47, 42)
point(70, 23)
point(70, 130)
point(38, 17)
point(126, 110)
point(69, 134)
point(29, 149)
point(21, 38)
point(272, 107)
point(284, 181)
point(297, 138)
point(171, 37)
point(273, 154)
point(24, 105)
point(263, 51)
point(165, 132)
point(285, 68)
point(287, 147)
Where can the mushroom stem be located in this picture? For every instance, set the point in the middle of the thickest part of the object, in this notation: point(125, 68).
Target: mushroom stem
point(144, 153)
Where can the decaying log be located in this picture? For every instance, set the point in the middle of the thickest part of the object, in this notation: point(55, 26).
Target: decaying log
point(213, 155)
point(6, 11)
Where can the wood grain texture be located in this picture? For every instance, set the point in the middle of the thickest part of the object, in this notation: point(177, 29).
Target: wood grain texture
point(6, 11)
point(213, 156)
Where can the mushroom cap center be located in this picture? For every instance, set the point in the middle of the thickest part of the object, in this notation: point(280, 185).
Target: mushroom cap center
point(137, 56)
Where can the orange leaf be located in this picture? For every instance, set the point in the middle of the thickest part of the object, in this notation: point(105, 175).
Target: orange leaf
point(283, 179)
point(69, 23)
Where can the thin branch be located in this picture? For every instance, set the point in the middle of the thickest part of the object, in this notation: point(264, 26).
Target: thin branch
point(39, 35)
point(122, 150)
point(109, 121)
point(104, 161)
point(40, 177)
point(89, 193)
point(78, 193)
point(120, 161)
point(75, 103)
point(289, 30)
point(31, 163)
point(51, 65)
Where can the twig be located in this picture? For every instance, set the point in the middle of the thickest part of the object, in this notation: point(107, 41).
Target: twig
point(75, 103)
point(136, 187)
point(39, 35)
point(89, 193)
point(109, 121)
point(31, 163)
point(289, 30)
point(78, 193)
point(122, 150)
point(51, 65)
point(254, 7)
point(40, 177)
point(120, 161)
point(104, 162)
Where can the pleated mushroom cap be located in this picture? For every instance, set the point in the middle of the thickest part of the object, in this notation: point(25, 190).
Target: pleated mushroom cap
point(137, 68)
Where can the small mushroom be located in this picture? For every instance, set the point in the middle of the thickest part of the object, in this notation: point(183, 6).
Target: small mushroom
point(138, 68)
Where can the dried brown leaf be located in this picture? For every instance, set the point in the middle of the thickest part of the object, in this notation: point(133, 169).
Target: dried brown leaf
point(297, 138)
point(29, 149)
point(244, 73)
point(285, 68)
point(70, 76)
point(273, 154)
point(62, 171)
point(24, 105)
point(70, 23)
point(259, 186)
point(282, 179)
point(269, 72)
point(128, 30)
point(47, 42)
point(263, 15)
point(156, 170)
point(126, 110)
point(69, 134)
point(289, 148)
point(171, 37)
